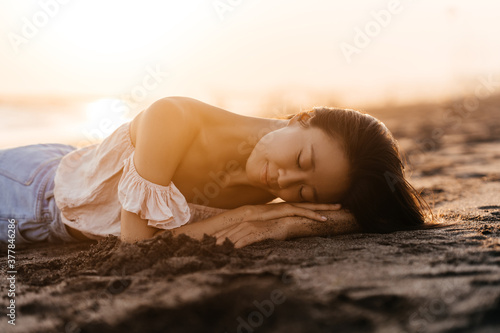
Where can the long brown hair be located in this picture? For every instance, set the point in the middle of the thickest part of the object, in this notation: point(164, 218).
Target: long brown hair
point(379, 195)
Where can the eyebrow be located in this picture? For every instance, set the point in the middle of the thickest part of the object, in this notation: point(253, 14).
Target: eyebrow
point(315, 193)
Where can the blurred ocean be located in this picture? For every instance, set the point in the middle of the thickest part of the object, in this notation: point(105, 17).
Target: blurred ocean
point(78, 123)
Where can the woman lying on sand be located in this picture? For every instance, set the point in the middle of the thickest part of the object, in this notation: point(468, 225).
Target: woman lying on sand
point(189, 167)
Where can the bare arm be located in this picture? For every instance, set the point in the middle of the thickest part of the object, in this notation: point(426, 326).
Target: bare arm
point(164, 134)
point(208, 226)
point(250, 214)
point(133, 228)
point(245, 233)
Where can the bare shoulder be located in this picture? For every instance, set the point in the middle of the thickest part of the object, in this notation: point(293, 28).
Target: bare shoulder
point(205, 113)
point(189, 113)
point(164, 110)
point(163, 133)
point(172, 108)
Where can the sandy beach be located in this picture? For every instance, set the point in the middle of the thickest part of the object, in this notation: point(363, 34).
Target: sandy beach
point(445, 280)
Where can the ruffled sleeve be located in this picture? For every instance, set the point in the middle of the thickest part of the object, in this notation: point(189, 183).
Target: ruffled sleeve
point(163, 206)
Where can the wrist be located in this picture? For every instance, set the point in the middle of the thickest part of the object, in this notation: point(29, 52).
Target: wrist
point(186, 229)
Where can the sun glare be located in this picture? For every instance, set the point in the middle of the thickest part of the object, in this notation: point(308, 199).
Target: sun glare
point(122, 28)
point(109, 110)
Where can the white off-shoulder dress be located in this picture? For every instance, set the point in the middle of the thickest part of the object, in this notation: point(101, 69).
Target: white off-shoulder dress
point(93, 183)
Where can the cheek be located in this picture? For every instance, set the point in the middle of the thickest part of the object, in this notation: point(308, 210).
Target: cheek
point(254, 164)
point(269, 137)
point(259, 152)
point(272, 143)
point(289, 195)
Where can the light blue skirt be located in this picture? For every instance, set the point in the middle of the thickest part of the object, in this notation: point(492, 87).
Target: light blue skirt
point(27, 203)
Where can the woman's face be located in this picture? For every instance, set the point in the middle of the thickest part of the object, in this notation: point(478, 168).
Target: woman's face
point(299, 163)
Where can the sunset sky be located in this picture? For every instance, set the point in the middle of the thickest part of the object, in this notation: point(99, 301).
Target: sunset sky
point(234, 53)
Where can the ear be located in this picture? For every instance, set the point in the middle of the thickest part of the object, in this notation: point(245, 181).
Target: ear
point(301, 118)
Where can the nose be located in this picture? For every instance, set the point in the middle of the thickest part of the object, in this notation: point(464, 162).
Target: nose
point(288, 178)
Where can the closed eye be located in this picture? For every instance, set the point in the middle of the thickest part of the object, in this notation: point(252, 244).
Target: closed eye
point(298, 160)
point(301, 196)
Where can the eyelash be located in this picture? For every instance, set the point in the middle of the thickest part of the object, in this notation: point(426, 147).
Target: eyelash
point(302, 187)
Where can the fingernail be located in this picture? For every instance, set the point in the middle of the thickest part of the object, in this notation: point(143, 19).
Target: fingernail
point(324, 218)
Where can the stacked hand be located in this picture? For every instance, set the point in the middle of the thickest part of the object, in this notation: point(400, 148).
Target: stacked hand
point(254, 223)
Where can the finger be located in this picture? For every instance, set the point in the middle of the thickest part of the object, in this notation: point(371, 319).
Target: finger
point(234, 237)
point(220, 241)
point(227, 234)
point(225, 230)
point(316, 206)
point(220, 238)
point(305, 212)
point(242, 242)
point(311, 205)
point(245, 237)
point(222, 232)
point(292, 210)
point(287, 210)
